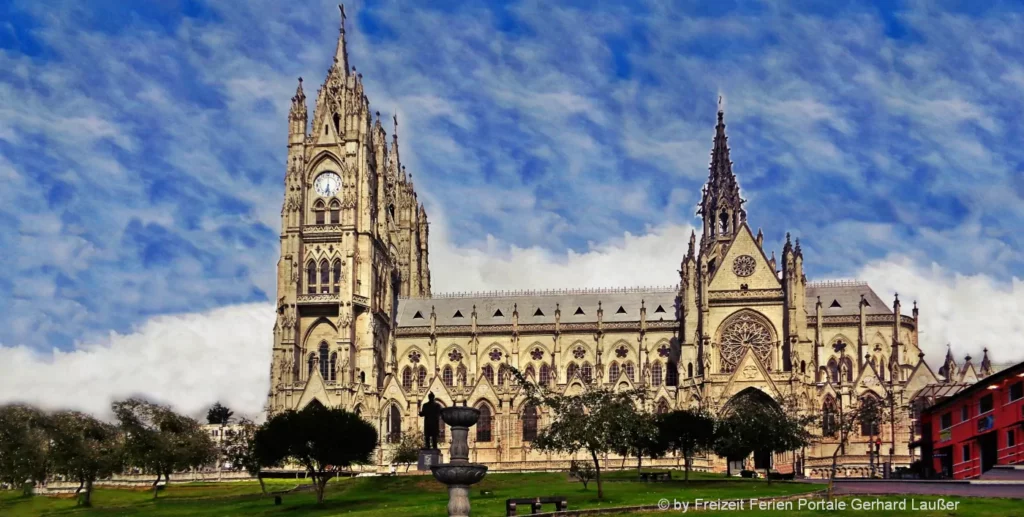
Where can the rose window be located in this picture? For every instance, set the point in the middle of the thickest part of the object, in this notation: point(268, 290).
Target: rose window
point(495, 355)
point(743, 265)
point(663, 351)
point(621, 351)
point(537, 354)
point(414, 356)
point(579, 353)
point(745, 331)
point(455, 356)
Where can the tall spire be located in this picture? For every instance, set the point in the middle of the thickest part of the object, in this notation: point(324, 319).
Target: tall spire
point(721, 193)
point(341, 53)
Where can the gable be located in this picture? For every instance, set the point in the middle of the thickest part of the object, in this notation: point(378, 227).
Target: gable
point(749, 373)
point(762, 275)
point(968, 375)
point(919, 378)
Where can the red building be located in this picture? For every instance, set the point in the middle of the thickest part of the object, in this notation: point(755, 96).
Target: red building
point(976, 429)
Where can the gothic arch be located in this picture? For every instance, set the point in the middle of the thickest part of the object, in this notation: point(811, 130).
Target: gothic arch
point(545, 352)
point(315, 328)
point(569, 353)
point(325, 161)
point(758, 323)
point(840, 337)
point(445, 356)
point(486, 353)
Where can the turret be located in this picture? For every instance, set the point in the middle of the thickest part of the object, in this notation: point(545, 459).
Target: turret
point(896, 327)
point(986, 365)
point(297, 118)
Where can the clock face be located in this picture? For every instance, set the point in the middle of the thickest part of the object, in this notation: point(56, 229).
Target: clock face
point(327, 184)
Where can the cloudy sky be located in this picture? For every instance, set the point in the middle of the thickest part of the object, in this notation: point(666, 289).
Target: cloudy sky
point(142, 150)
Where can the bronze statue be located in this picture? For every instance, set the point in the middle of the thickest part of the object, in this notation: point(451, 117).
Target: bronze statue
point(431, 413)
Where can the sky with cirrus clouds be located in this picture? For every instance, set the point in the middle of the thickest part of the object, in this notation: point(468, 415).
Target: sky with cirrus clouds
point(142, 152)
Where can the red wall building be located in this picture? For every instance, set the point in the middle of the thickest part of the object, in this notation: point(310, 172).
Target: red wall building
point(979, 427)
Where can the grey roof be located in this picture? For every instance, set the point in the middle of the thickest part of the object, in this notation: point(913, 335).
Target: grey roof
point(529, 302)
point(846, 295)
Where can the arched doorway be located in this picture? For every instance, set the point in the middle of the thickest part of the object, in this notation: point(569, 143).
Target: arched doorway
point(742, 405)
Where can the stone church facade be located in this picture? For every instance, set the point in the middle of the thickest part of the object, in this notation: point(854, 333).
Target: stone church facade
point(359, 328)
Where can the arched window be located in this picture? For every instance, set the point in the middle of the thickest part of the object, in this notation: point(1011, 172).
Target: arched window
point(446, 376)
point(662, 407)
point(407, 378)
point(630, 371)
point(310, 362)
point(833, 371)
point(570, 371)
point(483, 425)
point(881, 368)
point(803, 367)
point(325, 277)
point(723, 218)
point(394, 424)
point(337, 124)
point(488, 373)
point(337, 276)
point(656, 374)
point(689, 370)
point(671, 374)
point(828, 417)
point(460, 374)
point(501, 375)
point(333, 371)
point(613, 372)
point(421, 376)
point(529, 423)
point(362, 377)
point(335, 212)
point(849, 369)
point(311, 277)
point(530, 372)
point(587, 372)
point(324, 361)
point(545, 374)
point(318, 211)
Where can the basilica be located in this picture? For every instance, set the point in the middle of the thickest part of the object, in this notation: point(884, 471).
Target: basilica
point(359, 327)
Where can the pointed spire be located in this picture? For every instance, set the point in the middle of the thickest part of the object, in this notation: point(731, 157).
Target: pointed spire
point(721, 191)
point(341, 52)
point(797, 248)
point(693, 240)
point(986, 364)
point(760, 238)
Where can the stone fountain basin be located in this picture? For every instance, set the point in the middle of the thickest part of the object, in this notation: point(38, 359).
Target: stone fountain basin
point(459, 473)
point(460, 416)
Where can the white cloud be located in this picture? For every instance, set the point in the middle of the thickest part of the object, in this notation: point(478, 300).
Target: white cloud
point(193, 360)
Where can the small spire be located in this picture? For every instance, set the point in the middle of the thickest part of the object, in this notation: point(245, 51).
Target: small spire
point(797, 249)
point(341, 52)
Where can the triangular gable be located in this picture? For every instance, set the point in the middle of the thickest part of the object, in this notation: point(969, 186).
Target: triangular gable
point(868, 380)
point(921, 376)
point(749, 372)
point(763, 277)
point(623, 383)
point(663, 393)
point(968, 375)
point(440, 391)
point(314, 389)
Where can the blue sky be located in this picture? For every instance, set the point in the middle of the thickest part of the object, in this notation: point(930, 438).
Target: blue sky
point(142, 147)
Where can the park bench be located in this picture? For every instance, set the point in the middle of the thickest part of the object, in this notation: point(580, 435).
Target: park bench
point(655, 476)
point(535, 504)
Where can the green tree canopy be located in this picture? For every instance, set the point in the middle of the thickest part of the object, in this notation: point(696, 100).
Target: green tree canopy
point(218, 414)
point(85, 449)
point(24, 445)
point(687, 432)
point(319, 439)
point(160, 441)
point(240, 451)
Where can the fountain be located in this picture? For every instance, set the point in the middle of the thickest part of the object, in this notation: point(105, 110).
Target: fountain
point(459, 473)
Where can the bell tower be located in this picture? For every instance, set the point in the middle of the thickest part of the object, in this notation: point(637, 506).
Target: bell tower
point(352, 240)
point(721, 207)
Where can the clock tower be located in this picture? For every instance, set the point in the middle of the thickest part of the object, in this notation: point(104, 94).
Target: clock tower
point(353, 238)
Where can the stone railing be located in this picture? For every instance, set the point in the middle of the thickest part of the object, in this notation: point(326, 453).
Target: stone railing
point(553, 292)
point(318, 298)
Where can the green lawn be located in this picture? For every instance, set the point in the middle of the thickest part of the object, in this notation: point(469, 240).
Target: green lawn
point(423, 496)
point(390, 496)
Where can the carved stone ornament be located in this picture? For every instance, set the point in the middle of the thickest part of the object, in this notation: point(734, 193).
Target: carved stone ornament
point(663, 351)
point(455, 356)
point(621, 351)
point(744, 265)
point(745, 331)
point(495, 355)
point(579, 353)
point(537, 354)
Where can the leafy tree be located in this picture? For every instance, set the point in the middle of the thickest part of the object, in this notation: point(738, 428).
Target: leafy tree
point(160, 441)
point(583, 471)
point(240, 451)
point(318, 438)
point(24, 446)
point(85, 449)
point(407, 450)
point(219, 415)
point(636, 436)
point(753, 422)
point(585, 422)
point(687, 432)
point(870, 416)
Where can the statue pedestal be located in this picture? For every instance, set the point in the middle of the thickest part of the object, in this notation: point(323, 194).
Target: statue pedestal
point(428, 457)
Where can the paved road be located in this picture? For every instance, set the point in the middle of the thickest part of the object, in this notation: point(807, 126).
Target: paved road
point(929, 488)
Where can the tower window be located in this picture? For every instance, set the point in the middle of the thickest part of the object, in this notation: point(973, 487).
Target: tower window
point(337, 123)
point(337, 276)
point(325, 277)
point(311, 277)
point(324, 363)
point(335, 212)
point(723, 218)
point(320, 216)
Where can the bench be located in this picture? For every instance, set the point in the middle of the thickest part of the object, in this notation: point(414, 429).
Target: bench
point(655, 476)
point(535, 504)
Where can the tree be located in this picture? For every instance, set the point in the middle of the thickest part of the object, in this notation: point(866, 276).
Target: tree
point(636, 436)
point(843, 425)
point(687, 432)
point(582, 471)
point(160, 441)
point(870, 417)
point(754, 421)
point(318, 438)
point(585, 422)
point(85, 449)
point(24, 446)
point(240, 451)
point(407, 450)
point(219, 415)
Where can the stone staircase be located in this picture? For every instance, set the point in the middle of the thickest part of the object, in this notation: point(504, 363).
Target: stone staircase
point(1004, 473)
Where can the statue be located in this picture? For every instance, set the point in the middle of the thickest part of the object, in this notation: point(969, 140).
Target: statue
point(431, 413)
